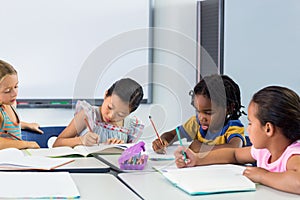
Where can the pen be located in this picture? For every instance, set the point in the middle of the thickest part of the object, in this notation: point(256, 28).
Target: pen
point(155, 130)
point(180, 142)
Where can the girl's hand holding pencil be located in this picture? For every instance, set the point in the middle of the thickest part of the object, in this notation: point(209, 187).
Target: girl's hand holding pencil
point(90, 138)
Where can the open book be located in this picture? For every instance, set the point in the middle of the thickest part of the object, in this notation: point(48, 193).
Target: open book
point(15, 159)
point(79, 150)
point(208, 179)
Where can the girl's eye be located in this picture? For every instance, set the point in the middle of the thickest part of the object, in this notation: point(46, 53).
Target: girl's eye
point(121, 115)
point(7, 91)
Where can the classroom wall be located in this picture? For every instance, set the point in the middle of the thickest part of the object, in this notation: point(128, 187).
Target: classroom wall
point(261, 43)
point(262, 40)
point(173, 72)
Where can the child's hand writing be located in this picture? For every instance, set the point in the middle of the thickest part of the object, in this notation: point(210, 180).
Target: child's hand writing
point(89, 139)
point(180, 160)
point(158, 147)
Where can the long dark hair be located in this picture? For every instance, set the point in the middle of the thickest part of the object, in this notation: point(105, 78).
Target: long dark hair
point(129, 91)
point(281, 107)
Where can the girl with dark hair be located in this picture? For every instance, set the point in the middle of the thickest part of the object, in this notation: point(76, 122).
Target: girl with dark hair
point(217, 101)
point(109, 123)
point(274, 130)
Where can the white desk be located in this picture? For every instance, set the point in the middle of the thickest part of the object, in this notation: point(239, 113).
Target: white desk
point(153, 185)
point(85, 165)
point(112, 160)
point(101, 186)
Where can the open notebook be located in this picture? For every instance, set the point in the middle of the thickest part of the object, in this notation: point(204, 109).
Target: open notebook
point(208, 179)
point(15, 159)
point(79, 150)
point(37, 185)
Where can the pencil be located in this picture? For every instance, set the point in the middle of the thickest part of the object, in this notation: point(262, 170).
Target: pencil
point(88, 125)
point(12, 135)
point(180, 142)
point(155, 130)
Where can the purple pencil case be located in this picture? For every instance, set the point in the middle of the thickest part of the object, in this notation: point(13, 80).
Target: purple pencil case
point(133, 157)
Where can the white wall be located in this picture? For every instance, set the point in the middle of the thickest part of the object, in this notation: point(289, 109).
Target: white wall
point(173, 74)
point(262, 40)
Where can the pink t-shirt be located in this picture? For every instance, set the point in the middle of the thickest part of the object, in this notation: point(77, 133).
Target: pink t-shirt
point(262, 157)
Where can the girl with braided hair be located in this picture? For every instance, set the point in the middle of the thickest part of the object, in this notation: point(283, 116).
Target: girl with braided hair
point(217, 100)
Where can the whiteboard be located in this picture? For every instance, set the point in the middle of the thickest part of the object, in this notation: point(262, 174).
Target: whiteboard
point(76, 49)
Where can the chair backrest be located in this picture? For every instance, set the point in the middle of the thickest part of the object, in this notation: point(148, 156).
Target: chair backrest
point(42, 139)
point(248, 142)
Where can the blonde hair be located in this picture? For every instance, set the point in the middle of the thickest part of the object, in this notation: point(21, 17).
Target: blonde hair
point(6, 69)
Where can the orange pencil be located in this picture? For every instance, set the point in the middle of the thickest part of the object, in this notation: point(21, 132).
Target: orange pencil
point(155, 130)
point(88, 125)
point(12, 135)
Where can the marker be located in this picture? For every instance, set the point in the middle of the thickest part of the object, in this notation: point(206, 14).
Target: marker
point(59, 102)
point(180, 142)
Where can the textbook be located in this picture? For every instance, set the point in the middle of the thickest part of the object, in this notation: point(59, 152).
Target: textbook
point(79, 150)
point(37, 185)
point(15, 159)
point(208, 179)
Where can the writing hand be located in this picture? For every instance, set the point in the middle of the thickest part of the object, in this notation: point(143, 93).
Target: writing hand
point(89, 139)
point(158, 147)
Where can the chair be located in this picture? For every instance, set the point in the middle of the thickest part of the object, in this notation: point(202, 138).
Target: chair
point(248, 142)
point(42, 139)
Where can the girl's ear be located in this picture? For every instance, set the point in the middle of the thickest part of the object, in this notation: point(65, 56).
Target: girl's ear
point(269, 129)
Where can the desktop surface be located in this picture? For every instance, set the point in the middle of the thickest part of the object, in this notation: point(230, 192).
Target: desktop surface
point(146, 185)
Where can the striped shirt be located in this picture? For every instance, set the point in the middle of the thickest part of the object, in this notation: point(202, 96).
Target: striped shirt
point(193, 130)
point(8, 127)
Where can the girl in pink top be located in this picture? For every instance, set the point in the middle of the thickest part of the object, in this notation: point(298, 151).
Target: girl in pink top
point(274, 128)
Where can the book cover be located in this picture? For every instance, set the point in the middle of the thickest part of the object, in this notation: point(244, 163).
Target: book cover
point(209, 179)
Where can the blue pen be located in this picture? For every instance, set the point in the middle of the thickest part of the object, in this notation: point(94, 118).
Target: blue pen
point(180, 142)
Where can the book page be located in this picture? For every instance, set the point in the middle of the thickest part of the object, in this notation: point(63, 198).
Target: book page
point(169, 154)
point(101, 149)
point(48, 185)
point(52, 152)
point(14, 159)
point(209, 179)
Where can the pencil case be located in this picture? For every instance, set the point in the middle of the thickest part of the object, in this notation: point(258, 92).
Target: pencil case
point(133, 157)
